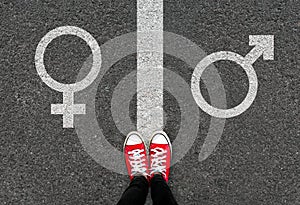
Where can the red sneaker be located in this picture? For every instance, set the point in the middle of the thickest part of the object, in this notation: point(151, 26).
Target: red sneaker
point(135, 155)
point(160, 155)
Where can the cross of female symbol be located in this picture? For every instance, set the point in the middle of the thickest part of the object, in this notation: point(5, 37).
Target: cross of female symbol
point(68, 109)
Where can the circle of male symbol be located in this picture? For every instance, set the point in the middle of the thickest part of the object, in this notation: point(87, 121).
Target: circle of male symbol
point(87, 127)
point(224, 113)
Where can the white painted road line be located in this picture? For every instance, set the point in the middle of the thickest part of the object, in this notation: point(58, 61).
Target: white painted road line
point(149, 66)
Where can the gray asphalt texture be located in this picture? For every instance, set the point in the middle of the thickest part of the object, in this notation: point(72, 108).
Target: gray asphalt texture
point(256, 162)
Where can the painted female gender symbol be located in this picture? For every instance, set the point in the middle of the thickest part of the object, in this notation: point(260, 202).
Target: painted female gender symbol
point(68, 109)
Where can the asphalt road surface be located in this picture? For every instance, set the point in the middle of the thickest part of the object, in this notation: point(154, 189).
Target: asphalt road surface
point(257, 160)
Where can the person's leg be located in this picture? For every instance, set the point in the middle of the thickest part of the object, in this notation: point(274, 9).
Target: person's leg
point(136, 192)
point(160, 191)
point(160, 161)
point(137, 166)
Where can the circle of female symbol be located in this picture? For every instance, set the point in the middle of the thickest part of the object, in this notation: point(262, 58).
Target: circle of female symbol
point(68, 108)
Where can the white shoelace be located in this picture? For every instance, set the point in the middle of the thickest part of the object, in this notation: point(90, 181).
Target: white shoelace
point(158, 159)
point(137, 162)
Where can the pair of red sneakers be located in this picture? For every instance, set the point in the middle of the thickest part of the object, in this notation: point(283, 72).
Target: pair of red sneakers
point(138, 162)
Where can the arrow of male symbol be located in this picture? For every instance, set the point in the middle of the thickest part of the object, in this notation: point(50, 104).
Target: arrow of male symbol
point(264, 46)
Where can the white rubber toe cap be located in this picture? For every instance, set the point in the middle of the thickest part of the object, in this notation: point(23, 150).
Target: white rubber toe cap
point(159, 139)
point(133, 139)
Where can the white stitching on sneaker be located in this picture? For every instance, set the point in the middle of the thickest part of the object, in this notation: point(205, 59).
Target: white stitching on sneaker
point(157, 160)
point(137, 162)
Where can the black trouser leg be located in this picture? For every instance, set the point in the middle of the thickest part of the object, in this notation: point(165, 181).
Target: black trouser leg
point(136, 192)
point(160, 192)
